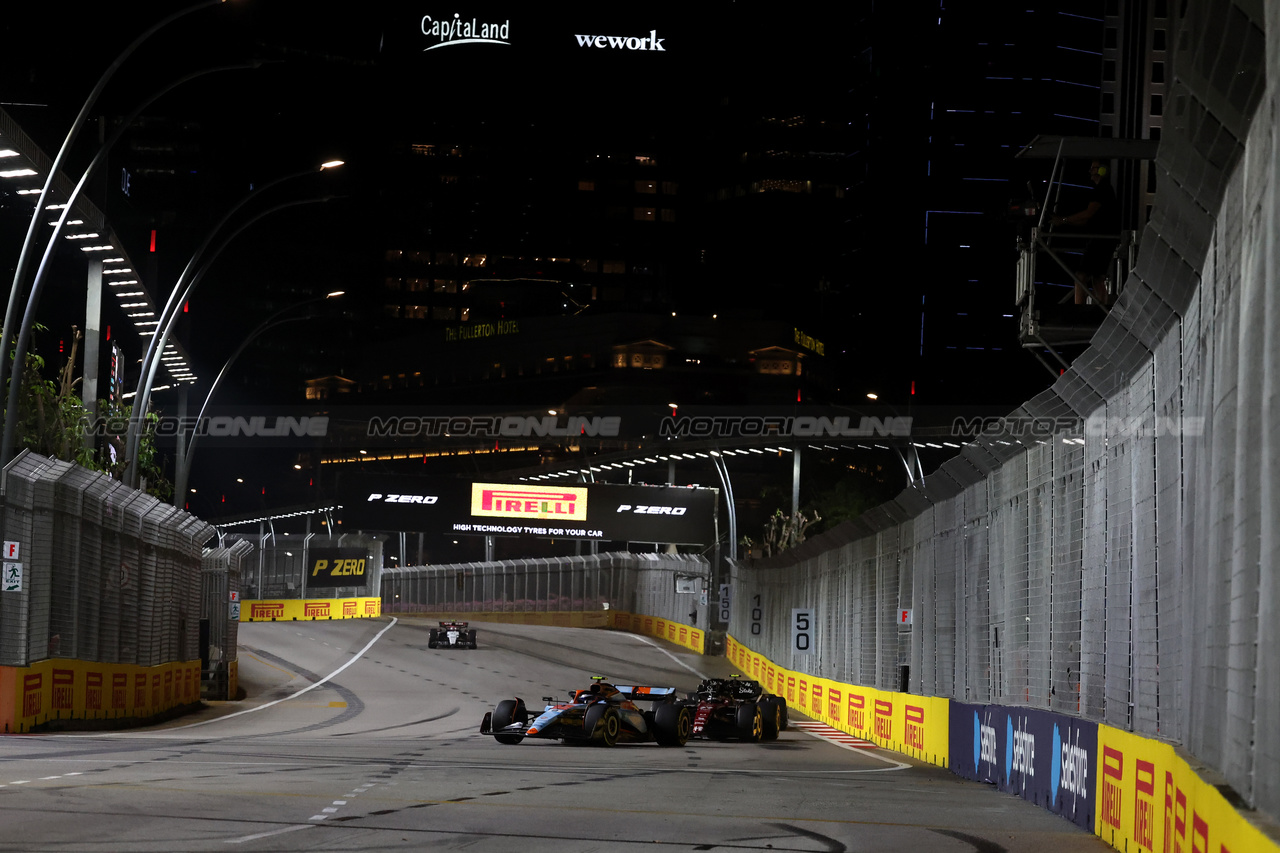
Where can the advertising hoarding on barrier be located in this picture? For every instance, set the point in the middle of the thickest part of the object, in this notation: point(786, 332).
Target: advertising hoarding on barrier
point(336, 567)
point(1049, 759)
point(63, 689)
point(1149, 798)
point(599, 511)
point(915, 725)
point(296, 609)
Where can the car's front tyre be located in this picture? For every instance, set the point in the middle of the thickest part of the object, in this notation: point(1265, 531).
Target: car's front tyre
point(509, 711)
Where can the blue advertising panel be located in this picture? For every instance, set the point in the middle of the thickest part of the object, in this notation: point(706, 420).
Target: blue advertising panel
point(1049, 759)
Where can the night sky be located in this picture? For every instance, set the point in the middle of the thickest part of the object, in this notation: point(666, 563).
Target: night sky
point(355, 82)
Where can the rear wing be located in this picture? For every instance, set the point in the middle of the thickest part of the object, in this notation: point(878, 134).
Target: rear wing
point(646, 694)
point(459, 625)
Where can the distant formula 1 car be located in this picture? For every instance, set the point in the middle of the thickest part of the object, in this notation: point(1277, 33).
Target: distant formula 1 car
point(736, 707)
point(452, 635)
point(604, 714)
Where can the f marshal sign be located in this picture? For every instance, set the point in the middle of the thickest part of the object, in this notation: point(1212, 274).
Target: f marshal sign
point(496, 501)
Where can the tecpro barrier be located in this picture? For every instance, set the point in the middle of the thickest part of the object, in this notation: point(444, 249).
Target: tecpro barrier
point(917, 726)
point(295, 610)
point(58, 689)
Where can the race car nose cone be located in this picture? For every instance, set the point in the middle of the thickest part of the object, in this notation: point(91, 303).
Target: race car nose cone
point(532, 731)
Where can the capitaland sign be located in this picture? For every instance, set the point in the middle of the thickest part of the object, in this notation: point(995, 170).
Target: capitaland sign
point(457, 30)
point(500, 501)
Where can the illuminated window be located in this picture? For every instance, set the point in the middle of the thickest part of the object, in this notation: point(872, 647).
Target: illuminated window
point(416, 285)
point(415, 312)
point(645, 214)
point(444, 285)
point(614, 266)
point(646, 186)
point(392, 283)
point(645, 160)
point(474, 260)
point(441, 312)
point(423, 150)
point(464, 314)
point(394, 255)
point(587, 186)
point(391, 310)
point(420, 257)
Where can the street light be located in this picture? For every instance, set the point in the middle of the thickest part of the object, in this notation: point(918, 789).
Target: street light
point(187, 281)
point(24, 257)
point(7, 440)
point(183, 468)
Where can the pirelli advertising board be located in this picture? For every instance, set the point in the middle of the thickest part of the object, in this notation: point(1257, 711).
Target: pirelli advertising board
point(658, 514)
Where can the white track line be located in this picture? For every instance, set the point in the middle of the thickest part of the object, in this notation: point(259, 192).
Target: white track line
point(667, 653)
point(309, 687)
point(244, 838)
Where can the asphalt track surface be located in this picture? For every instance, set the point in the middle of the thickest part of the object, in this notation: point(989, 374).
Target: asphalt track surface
point(356, 736)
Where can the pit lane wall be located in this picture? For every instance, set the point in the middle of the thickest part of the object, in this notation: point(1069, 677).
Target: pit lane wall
point(309, 610)
point(46, 692)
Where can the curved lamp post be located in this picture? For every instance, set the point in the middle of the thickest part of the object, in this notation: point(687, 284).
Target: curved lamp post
point(37, 284)
point(24, 257)
point(182, 290)
point(183, 468)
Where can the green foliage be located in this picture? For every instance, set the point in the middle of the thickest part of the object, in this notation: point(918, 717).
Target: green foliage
point(52, 421)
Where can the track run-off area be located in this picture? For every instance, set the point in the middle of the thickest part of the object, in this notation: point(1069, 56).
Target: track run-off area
point(355, 736)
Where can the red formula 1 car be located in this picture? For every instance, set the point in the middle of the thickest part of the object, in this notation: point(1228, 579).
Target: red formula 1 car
point(604, 714)
point(736, 707)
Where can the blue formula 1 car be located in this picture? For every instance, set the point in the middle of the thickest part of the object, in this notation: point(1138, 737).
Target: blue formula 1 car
point(604, 714)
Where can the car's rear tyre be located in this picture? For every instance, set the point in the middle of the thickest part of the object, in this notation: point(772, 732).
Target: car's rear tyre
point(771, 714)
point(672, 725)
point(471, 638)
point(509, 711)
point(603, 724)
point(750, 722)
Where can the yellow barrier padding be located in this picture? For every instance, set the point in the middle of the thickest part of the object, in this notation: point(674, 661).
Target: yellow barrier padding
point(1150, 798)
point(691, 638)
point(309, 608)
point(61, 689)
point(918, 726)
point(694, 639)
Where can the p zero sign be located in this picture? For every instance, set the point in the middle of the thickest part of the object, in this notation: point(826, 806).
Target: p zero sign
point(596, 511)
point(334, 567)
